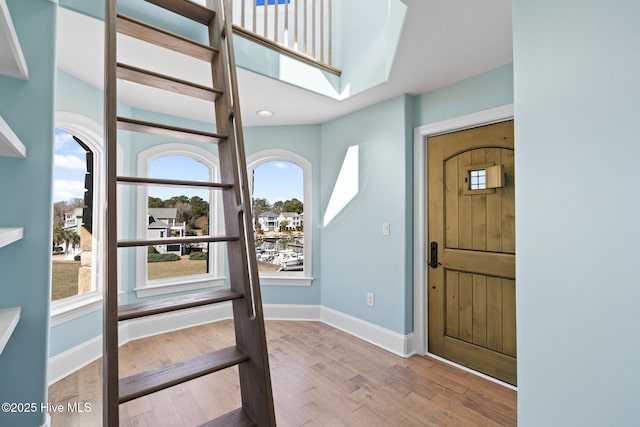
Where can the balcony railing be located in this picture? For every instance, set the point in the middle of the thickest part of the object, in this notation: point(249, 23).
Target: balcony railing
point(300, 28)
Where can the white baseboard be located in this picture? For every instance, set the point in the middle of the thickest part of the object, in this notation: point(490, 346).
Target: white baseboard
point(392, 341)
point(77, 357)
point(73, 359)
point(176, 320)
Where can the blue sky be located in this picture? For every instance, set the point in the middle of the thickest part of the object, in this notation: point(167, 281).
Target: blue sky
point(69, 168)
point(275, 180)
point(278, 180)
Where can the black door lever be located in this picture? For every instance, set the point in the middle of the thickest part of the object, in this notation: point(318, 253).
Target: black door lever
point(433, 249)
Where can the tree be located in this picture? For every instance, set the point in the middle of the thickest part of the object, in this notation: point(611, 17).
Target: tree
point(260, 206)
point(58, 237)
point(293, 205)
point(156, 202)
point(66, 236)
point(278, 207)
point(283, 225)
point(199, 207)
point(173, 202)
point(184, 211)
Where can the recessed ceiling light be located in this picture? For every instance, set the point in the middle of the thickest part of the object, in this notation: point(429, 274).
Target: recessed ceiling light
point(264, 113)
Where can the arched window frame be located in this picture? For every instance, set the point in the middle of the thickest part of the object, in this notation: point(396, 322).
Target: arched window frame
point(90, 133)
point(214, 277)
point(290, 278)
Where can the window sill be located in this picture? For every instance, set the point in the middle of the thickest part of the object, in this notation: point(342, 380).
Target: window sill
point(284, 280)
point(71, 308)
point(165, 287)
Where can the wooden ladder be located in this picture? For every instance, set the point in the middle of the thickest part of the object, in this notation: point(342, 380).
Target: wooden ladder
point(250, 351)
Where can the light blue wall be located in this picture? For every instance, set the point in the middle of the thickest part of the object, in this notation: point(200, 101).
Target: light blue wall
point(70, 334)
point(356, 257)
point(74, 96)
point(578, 236)
point(27, 106)
point(487, 90)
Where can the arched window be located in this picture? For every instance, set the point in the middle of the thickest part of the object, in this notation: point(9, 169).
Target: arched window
point(281, 200)
point(165, 211)
point(77, 188)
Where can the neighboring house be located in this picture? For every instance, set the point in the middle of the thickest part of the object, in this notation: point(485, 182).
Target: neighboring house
point(268, 221)
point(162, 224)
point(293, 219)
point(73, 220)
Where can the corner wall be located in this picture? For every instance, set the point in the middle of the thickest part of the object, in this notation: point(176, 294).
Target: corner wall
point(25, 266)
point(578, 236)
point(356, 257)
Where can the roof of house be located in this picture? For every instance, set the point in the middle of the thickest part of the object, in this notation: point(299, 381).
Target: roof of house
point(267, 214)
point(75, 212)
point(158, 224)
point(158, 213)
point(289, 214)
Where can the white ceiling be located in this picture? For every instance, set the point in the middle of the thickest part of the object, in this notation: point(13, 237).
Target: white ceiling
point(443, 41)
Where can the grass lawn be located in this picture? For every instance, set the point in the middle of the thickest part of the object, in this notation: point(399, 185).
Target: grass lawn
point(64, 274)
point(64, 277)
point(184, 267)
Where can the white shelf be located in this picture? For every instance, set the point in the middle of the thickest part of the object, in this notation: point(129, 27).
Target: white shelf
point(10, 235)
point(9, 318)
point(10, 144)
point(12, 62)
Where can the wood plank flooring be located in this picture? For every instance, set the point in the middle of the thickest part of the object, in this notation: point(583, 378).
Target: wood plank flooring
point(321, 377)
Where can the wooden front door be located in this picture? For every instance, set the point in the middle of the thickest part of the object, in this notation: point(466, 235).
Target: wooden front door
point(471, 223)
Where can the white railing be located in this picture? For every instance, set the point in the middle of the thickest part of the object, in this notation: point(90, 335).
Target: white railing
point(301, 26)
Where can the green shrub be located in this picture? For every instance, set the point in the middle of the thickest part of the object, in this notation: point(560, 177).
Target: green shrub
point(198, 256)
point(76, 258)
point(162, 257)
point(152, 250)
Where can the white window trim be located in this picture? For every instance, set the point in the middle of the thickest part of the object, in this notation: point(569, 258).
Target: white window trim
point(90, 133)
point(290, 278)
point(147, 288)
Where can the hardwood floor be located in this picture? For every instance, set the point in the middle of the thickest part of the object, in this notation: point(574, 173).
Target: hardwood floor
point(321, 377)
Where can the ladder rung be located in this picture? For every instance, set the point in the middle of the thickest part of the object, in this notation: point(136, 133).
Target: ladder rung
point(158, 379)
point(165, 305)
point(163, 38)
point(235, 418)
point(161, 81)
point(128, 243)
point(187, 9)
point(171, 182)
point(159, 129)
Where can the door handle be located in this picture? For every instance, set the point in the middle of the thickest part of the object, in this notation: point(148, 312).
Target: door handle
point(433, 250)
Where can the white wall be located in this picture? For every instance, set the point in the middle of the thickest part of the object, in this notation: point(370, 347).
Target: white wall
point(576, 68)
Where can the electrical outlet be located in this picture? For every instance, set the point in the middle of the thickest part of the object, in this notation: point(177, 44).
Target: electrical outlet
point(370, 299)
point(386, 229)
